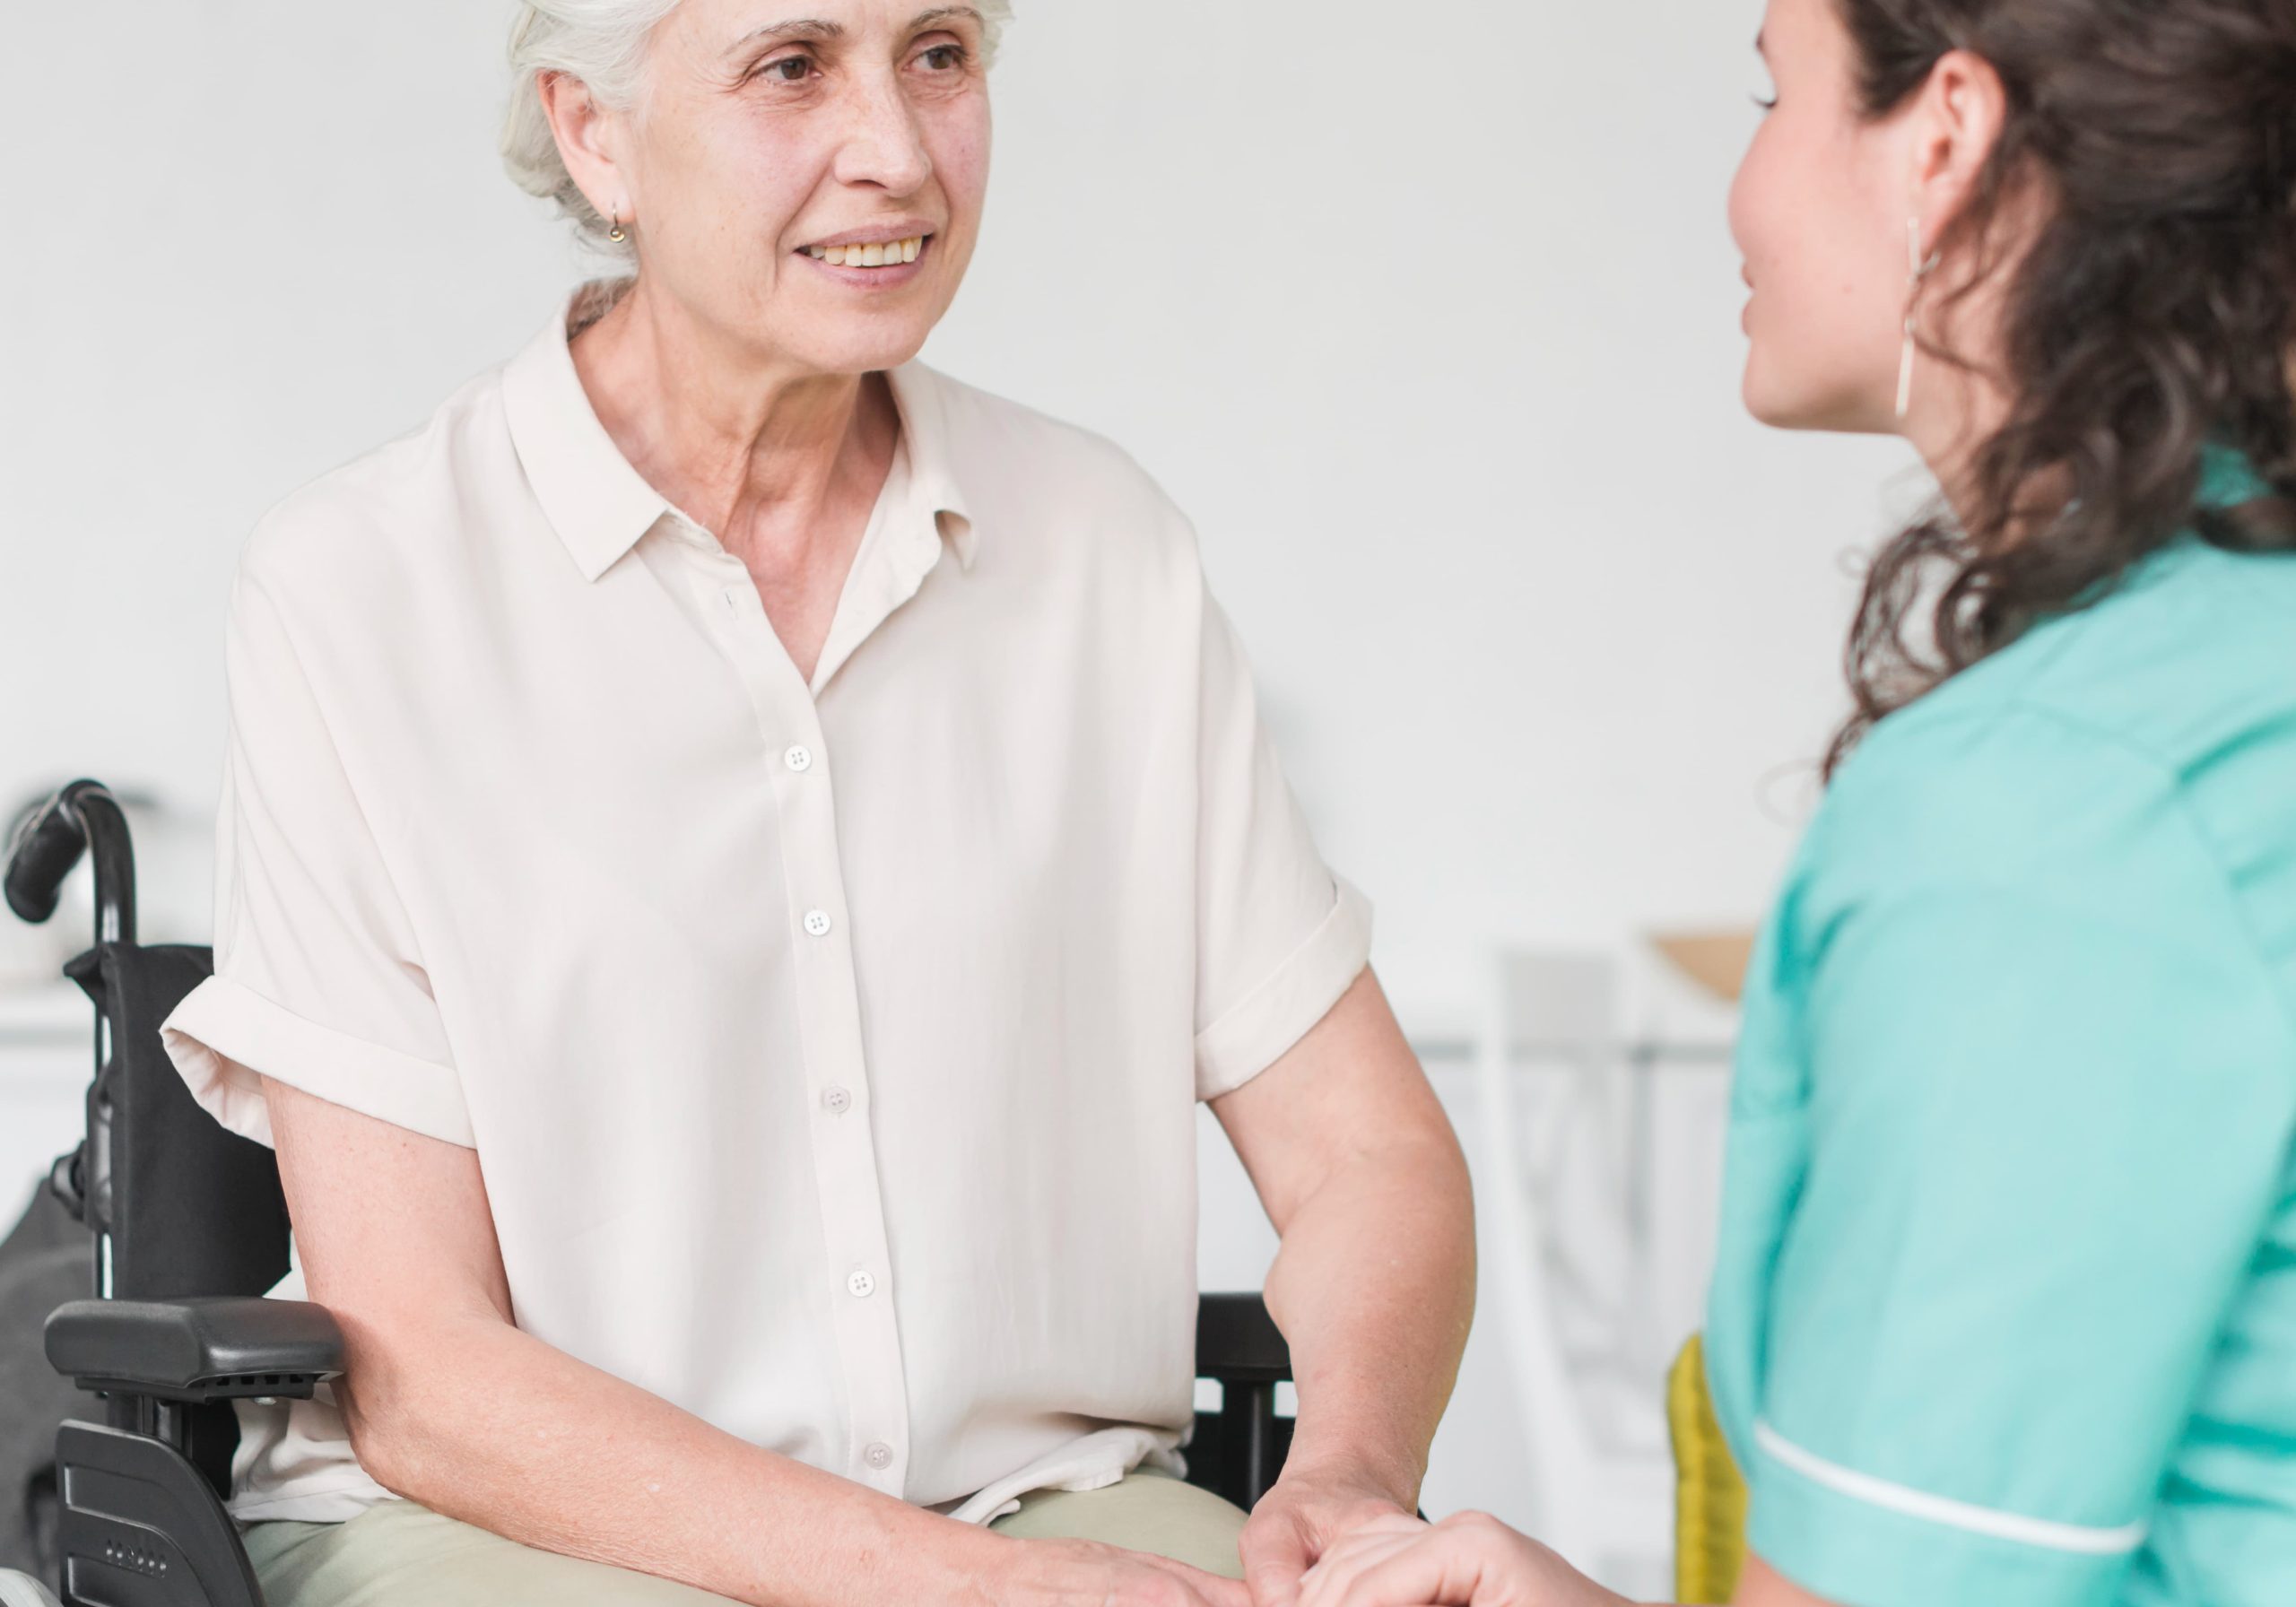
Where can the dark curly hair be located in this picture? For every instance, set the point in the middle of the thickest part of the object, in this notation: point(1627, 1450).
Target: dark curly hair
point(2152, 312)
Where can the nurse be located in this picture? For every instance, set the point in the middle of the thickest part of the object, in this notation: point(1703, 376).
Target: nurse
point(2005, 1303)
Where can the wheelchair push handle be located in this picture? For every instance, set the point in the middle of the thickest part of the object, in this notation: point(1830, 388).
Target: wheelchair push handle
point(48, 847)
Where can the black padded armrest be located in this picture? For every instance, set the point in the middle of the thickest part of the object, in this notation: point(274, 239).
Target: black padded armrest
point(196, 1350)
point(1238, 1342)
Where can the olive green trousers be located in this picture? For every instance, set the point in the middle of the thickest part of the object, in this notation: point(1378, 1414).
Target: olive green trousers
point(401, 1555)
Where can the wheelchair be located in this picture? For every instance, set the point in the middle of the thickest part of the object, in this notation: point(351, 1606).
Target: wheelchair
point(188, 1228)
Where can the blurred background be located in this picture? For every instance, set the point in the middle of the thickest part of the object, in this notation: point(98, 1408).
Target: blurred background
point(1431, 321)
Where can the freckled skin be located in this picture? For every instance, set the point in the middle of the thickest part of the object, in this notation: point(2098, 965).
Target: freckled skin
point(747, 151)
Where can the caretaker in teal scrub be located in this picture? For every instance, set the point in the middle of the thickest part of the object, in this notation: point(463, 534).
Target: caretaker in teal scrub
point(2003, 1311)
point(2006, 1306)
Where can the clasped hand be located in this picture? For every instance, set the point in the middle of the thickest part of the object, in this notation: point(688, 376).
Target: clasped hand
point(1470, 1560)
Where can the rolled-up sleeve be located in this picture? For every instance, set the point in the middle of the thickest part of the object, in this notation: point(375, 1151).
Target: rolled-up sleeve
point(318, 982)
point(1279, 937)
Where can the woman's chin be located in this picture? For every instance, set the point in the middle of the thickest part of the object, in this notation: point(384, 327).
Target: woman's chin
point(836, 330)
point(1766, 406)
point(862, 351)
point(1805, 409)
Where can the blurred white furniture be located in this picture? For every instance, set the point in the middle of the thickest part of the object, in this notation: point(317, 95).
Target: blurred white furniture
point(1585, 1236)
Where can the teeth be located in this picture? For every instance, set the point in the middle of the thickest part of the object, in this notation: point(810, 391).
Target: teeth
point(892, 254)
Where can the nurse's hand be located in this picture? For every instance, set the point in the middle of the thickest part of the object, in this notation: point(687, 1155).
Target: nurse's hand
point(1470, 1560)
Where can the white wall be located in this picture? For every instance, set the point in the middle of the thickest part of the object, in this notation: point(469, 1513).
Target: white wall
point(1428, 317)
point(1428, 314)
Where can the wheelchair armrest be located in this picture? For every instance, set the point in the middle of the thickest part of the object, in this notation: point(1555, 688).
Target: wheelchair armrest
point(1238, 1342)
point(196, 1350)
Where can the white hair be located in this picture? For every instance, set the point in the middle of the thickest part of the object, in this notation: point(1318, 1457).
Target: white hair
point(603, 43)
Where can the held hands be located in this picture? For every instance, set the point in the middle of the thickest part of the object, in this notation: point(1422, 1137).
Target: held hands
point(1470, 1560)
point(1300, 1520)
point(1064, 1573)
point(1297, 1521)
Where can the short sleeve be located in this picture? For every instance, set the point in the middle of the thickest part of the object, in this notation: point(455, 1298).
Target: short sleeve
point(1279, 938)
point(317, 980)
point(2050, 1095)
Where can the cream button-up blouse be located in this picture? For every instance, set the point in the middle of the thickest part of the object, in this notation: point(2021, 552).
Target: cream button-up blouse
point(831, 1050)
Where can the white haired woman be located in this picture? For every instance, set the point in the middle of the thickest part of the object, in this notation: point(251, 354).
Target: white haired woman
point(740, 857)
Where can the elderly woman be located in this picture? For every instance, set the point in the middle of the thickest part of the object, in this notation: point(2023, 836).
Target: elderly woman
point(740, 857)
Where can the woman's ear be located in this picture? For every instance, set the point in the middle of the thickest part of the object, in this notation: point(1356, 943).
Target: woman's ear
point(588, 142)
point(1956, 123)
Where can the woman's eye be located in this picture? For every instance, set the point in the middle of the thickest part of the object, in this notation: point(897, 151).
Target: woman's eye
point(943, 58)
point(1767, 103)
point(790, 69)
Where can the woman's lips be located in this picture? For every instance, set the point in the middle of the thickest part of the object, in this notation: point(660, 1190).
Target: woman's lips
point(885, 265)
point(887, 254)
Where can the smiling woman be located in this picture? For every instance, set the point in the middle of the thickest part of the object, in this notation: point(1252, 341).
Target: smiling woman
point(603, 43)
point(755, 159)
point(758, 1164)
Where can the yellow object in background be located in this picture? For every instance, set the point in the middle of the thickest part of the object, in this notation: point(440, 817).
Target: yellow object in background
point(1710, 1495)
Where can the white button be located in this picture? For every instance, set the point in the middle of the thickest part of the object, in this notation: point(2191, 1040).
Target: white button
point(861, 1283)
point(799, 759)
point(835, 1101)
point(879, 1456)
point(817, 924)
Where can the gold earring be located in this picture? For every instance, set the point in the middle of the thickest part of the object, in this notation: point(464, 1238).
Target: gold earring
point(1918, 270)
point(616, 233)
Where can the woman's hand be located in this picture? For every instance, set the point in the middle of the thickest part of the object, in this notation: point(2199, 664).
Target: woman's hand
point(1303, 1518)
point(1470, 1560)
point(1078, 1573)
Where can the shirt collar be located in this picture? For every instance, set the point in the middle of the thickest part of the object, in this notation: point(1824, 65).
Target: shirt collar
point(601, 506)
point(918, 394)
point(597, 503)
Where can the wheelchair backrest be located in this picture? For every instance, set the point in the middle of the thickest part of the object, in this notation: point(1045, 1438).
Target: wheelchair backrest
point(180, 1207)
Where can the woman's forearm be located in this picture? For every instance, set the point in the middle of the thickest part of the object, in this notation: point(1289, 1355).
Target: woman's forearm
point(450, 1404)
point(1375, 1285)
point(483, 1424)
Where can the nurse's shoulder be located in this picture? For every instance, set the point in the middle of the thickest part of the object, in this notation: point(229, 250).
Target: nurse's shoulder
point(2136, 755)
point(2190, 661)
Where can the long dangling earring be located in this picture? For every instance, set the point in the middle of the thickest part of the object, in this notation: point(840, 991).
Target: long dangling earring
point(1917, 270)
point(617, 234)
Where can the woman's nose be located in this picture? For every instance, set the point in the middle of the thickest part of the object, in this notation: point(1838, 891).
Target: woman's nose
point(884, 146)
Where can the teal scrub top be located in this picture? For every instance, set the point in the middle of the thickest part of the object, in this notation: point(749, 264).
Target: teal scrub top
point(2005, 1310)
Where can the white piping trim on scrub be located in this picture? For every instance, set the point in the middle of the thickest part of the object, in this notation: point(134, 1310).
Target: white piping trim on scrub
point(1938, 1509)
